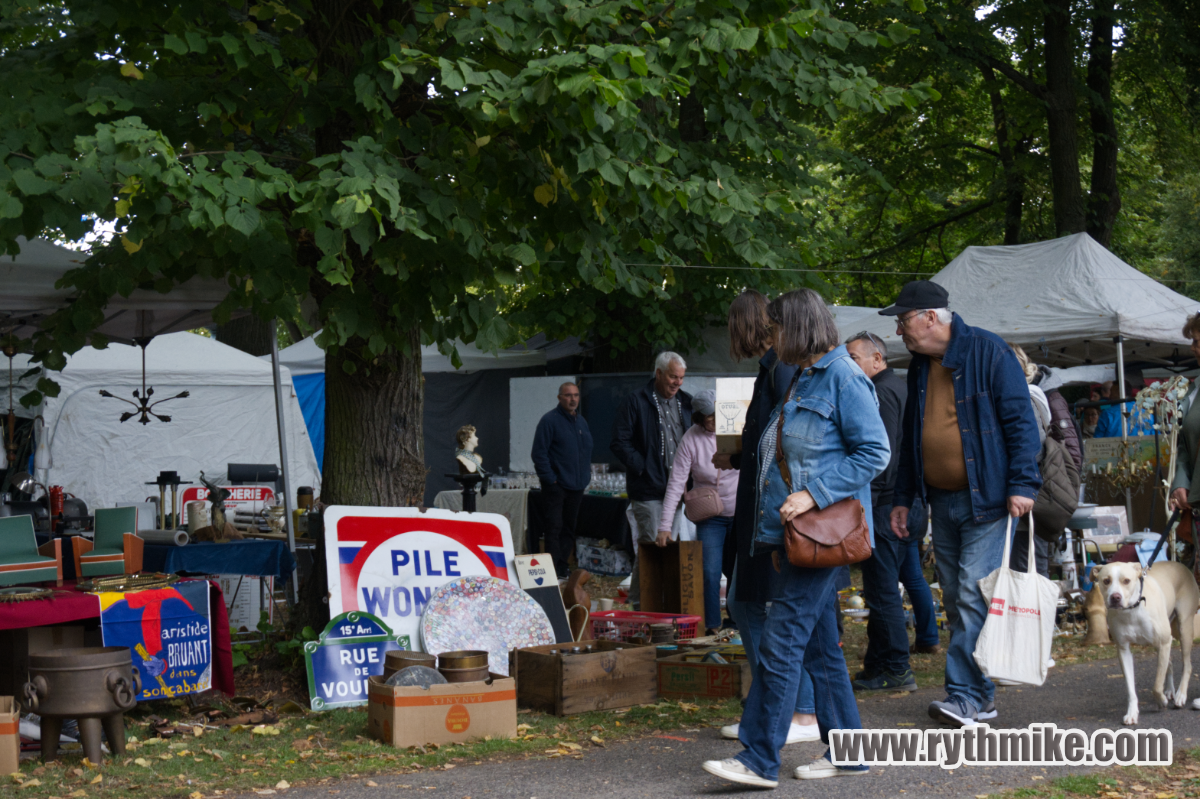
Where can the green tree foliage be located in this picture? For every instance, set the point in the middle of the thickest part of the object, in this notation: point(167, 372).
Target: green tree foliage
point(416, 167)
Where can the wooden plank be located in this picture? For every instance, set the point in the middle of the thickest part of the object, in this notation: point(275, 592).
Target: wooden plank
point(672, 578)
point(609, 680)
point(538, 677)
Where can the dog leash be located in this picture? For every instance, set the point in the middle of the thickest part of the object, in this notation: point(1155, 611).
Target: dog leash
point(1163, 539)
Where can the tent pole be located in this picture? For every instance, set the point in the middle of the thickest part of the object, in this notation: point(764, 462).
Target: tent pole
point(1120, 342)
point(283, 457)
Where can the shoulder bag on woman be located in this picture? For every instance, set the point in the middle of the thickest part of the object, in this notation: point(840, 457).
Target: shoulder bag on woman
point(823, 538)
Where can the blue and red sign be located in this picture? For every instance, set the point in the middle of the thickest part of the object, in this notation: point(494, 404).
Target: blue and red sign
point(168, 633)
point(391, 560)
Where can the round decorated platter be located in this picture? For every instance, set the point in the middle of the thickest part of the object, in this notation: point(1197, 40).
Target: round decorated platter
point(857, 613)
point(484, 613)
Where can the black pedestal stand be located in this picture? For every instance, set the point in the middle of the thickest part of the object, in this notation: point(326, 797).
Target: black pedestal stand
point(468, 482)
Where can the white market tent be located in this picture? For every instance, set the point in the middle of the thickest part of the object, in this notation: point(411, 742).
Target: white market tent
point(29, 295)
point(229, 418)
point(1063, 300)
point(306, 358)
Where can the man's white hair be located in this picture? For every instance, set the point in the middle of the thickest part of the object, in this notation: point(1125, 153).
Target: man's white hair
point(943, 315)
point(664, 360)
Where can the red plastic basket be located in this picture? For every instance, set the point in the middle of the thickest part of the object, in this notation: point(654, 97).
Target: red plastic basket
point(625, 625)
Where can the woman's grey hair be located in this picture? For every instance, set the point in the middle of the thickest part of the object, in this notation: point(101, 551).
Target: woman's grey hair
point(804, 327)
point(872, 339)
point(664, 360)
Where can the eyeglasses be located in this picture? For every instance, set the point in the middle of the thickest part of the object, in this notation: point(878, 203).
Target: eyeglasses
point(902, 321)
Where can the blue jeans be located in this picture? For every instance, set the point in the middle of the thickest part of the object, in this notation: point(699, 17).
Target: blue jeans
point(918, 591)
point(801, 628)
point(966, 553)
point(750, 618)
point(887, 633)
point(711, 532)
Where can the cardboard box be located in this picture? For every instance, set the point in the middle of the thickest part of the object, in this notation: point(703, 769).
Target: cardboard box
point(404, 717)
point(10, 736)
point(672, 578)
point(615, 675)
point(733, 400)
point(20, 644)
point(686, 675)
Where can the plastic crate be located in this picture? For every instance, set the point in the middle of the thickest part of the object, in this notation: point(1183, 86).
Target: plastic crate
point(625, 625)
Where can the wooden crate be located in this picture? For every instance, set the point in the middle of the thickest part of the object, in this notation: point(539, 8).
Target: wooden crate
point(614, 675)
point(672, 577)
point(683, 675)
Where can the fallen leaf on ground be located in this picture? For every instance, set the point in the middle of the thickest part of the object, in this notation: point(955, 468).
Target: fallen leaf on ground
point(282, 785)
point(302, 744)
point(596, 740)
point(264, 791)
point(99, 778)
point(195, 795)
point(77, 794)
point(263, 729)
point(31, 784)
point(141, 761)
point(371, 784)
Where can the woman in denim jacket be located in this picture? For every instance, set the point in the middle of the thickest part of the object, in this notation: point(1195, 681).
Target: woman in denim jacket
point(835, 444)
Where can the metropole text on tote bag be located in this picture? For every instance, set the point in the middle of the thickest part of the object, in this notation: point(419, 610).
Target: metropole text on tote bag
point(1014, 644)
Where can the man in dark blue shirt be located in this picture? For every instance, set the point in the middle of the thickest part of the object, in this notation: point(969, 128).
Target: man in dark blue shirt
point(970, 449)
point(562, 456)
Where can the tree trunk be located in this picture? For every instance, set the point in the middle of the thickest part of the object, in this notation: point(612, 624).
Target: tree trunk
point(1104, 199)
point(1014, 181)
point(373, 439)
point(248, 334)
point(1070, 213)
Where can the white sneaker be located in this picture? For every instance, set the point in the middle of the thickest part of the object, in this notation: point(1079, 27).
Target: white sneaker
point(734, 771)
point(802, 733)
point(1050, 663)
point(821, 769)
point(797, 733)
point(1196, 704)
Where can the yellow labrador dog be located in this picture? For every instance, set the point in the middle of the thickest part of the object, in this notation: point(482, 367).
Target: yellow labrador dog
point(1147, 608)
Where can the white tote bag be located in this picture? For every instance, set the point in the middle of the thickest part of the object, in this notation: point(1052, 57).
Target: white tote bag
point(1015, 642)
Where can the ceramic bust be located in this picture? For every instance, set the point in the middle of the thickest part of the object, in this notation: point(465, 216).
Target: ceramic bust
point(469, 461)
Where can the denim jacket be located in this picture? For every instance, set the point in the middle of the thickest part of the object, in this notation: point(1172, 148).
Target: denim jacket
point(833, 438)
point(999, 433)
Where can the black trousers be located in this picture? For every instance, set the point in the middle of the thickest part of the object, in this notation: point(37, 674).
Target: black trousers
point(562, 510)
point(887, 635)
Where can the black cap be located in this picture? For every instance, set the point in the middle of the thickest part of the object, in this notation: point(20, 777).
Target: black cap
point(918, 295)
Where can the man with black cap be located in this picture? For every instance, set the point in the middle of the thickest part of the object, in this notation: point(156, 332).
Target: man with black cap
point(970, 448)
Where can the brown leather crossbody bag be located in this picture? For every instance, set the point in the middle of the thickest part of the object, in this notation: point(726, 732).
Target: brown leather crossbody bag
point(823, 538)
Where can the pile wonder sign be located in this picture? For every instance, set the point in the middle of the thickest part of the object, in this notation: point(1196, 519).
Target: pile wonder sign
point(388, 562)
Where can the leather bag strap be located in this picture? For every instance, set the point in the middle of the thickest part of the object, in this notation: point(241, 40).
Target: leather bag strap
point(780, 460)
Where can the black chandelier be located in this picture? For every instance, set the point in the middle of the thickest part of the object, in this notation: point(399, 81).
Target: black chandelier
point(144, 408)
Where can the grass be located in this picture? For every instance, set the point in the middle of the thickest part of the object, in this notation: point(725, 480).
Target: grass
point(1179, 780)
point(320, 748)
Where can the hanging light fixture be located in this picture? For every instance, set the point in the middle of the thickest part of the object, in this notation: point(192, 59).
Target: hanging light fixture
point(144, 408)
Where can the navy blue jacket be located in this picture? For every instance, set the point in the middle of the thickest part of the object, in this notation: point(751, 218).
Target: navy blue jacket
point(562, 450)
point(637, 443)
point(754, 572)
point(995, 418)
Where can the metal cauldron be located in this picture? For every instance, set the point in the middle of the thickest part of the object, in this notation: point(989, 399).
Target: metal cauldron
point(94, 685)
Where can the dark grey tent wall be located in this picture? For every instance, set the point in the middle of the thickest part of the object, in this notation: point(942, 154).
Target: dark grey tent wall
point(452, 400)
point(599, 398)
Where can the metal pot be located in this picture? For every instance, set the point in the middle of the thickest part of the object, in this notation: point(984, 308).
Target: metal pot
point(465, 675)
point(400, 659)
point(95, 685)
point(463, 659)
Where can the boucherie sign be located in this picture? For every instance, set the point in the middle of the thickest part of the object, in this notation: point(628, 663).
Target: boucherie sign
point(390, 561)
point(243, 498)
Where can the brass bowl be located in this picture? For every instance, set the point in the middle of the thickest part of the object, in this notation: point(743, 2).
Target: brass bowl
point(463, 659)
point(400, 659)
point(465, 675)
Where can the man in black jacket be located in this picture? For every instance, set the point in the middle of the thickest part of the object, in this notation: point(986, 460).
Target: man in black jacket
point(562, 455)
point(886, 665)
point(646, 434)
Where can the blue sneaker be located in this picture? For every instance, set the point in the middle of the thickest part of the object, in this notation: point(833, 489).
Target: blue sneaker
point(955, 711)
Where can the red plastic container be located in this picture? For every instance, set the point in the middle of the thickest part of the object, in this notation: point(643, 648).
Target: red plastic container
point(625, 625)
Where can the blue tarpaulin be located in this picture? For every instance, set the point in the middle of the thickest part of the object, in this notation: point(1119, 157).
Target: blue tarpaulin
point(310, 392)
